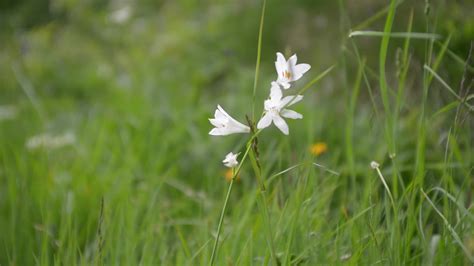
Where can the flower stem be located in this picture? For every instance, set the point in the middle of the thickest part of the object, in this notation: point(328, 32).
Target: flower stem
point(311, 83)
point(235, 172)
point(257, 65)
point(262, 204)
point(266, 220)
point(221, 219)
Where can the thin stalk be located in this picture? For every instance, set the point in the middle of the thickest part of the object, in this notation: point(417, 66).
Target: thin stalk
point(412, 35)
point(309, 84)
point(257, 65)
point(350, 121)
point(450, 228)
point(221, 219)
point(384, 89)
point(389, 126)
point(459, 98)
point(379, 173)
point(395, 238)
point(316, 79)
point(263, 208)
point(368, 22)
point(235, 172)
point(404, 66)
point(249, 143)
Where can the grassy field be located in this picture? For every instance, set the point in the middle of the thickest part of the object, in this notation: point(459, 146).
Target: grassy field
point(105, 156)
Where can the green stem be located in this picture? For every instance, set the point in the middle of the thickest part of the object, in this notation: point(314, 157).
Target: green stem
point(259, 52)
point(309, 84)
point(263, 207)
point(229, 191)
point(266, 220)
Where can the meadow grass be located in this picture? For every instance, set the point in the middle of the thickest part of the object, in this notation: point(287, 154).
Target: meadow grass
point(141, 182)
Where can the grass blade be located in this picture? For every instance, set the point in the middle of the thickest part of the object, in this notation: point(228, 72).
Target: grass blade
point(432, 72)
point(456, 237)
point(403, 35)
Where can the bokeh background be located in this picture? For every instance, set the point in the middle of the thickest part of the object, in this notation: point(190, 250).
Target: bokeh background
point(110, 99)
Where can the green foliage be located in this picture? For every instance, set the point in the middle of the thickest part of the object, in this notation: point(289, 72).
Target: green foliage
point(109, 100)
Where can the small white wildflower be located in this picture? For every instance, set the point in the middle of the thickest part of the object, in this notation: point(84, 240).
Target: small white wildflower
point(225, 124)
point(274, 109)
point(231, 160)
point(374, 165)
point(289, 71)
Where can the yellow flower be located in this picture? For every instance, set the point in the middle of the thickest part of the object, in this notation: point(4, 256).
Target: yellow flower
point(228, 175)
point(318, 148)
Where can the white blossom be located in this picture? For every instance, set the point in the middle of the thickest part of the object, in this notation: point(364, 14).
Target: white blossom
point(231, 160)
point(225, 125)
point(289, 71)
point(275, 109)
point(374, 165)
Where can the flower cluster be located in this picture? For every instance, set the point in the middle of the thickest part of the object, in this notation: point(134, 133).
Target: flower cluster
point(274, 107)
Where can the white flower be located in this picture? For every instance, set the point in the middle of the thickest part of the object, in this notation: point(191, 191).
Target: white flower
point(374, 165)
point(289, 71)
point(274, 109)
point(225, 124)
point(231, 160)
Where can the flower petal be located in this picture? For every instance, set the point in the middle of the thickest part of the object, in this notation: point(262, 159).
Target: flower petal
point(290, 100)
point(216, 132)
point(221, 113)
point(290, 114)
point(280, 64)
point(281, 124)
point(292, 61)
point(237, 127)
point(267, 105)
point(231, 160)
point(216, 122)
point(265, 121)
point(284, 83)
point(275, 93)
point(299, 70)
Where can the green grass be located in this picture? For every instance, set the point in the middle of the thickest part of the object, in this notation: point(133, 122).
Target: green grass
point(143, 182)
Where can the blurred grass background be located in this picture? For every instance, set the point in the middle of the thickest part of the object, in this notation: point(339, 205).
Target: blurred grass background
point(110, 99)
